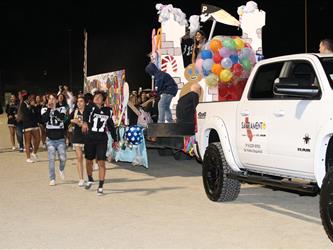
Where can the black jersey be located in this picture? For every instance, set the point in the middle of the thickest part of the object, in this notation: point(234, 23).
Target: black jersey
point(98, 119)
point(11, 110)
point(78, 136)
point(30, 116)
point(54, 122)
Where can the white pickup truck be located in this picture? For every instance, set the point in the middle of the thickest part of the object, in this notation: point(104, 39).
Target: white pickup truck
point(279, 134)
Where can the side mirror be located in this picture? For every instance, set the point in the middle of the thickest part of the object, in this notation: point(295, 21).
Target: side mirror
point(294, 87)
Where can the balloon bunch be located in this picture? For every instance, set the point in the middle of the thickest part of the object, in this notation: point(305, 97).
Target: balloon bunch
point(226, 61)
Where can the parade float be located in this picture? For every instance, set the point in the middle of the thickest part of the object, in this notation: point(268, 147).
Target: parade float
point(222, 67)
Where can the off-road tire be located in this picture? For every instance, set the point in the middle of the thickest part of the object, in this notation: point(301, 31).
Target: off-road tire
point(326, 203)
point(215, 168)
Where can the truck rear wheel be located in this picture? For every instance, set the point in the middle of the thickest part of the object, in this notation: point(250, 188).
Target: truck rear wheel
point(215, 168)
point(326, 203)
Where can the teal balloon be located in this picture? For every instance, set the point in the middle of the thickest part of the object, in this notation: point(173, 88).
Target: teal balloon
point(229, 43)
point(246, 63)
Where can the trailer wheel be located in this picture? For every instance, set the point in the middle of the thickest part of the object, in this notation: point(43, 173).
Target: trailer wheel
point(326, 203)
point(179, 155)
point(165, 152)
point(217, 185)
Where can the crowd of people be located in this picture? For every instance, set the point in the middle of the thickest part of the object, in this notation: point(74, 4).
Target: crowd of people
point(63, 121)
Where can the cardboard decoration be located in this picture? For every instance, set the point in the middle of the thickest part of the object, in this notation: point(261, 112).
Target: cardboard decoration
point(193, 76)
point(113, 84)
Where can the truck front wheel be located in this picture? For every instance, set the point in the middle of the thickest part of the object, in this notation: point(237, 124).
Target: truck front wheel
point(326, 203)
point(215, 168)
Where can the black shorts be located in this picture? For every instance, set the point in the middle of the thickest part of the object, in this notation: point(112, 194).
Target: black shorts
point(95, 150)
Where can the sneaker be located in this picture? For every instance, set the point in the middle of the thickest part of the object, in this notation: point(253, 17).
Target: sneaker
point(52, 183)
point(81, 183)
point(21, 150)
point(88, 185)
point(95, 167)
point(100, 191)
point(62, 174)
point(35, 156)
point(30, 161)
point(13, 148)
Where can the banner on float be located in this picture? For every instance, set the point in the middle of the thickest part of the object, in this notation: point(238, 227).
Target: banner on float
point(113, 84)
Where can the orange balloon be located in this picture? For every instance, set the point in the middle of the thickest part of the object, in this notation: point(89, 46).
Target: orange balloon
point(215, 45)
point(216, 69)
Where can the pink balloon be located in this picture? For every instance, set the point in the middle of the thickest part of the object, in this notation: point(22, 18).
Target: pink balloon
point(198, 64)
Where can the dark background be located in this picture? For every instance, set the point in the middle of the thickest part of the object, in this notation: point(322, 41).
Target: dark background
point(41, 44)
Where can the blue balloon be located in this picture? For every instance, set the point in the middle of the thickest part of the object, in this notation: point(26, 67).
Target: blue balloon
point(226, 63)
point(207, 65)
point(234, 59)
point(134, 134)
point(206, 54)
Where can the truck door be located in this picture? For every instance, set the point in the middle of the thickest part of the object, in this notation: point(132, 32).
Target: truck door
point(296, 122)
point(255, 117)
point(277, 133)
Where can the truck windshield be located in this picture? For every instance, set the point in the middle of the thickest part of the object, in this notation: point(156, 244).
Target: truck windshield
point(327, 63)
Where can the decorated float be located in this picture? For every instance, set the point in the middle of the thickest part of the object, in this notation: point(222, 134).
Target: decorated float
point(222, 67)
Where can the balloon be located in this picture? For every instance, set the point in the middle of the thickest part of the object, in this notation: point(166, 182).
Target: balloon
point(216, 69)
point(239, 43)
point(212, 80)
point(207, 64)
point(245, 53)
point(206, 54)
point(225, 75)
point(246, 64)
point(226, 63)
point(215, 45)
point(217, 58)
point(229, 43)
point(218, 38)
point(198, 64)
point(234, 58)
point(225, 52)
point(134, 134)
point(237, 69)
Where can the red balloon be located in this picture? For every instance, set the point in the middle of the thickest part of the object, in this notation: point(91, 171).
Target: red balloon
point(217, 58)
point(237, 69)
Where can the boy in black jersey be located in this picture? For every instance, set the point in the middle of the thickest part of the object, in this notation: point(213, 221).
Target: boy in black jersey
point(53, 118)
point(96, 118)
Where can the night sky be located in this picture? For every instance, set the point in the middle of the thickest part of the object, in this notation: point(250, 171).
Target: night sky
point(41, 43)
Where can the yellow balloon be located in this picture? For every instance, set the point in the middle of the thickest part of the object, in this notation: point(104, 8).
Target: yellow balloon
point(226, 75)
point(212, 80)
point(239, 43)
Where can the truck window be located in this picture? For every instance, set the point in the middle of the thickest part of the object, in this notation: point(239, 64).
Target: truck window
point(327, 63)
point(302, 73)
point(262, 85)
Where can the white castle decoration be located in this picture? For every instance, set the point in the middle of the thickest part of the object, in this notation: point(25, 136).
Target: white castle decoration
point(166, 44)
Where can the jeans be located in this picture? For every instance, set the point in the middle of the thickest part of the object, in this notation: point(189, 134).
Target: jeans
point(164, 112)
point(54, 146)
point(19, 135)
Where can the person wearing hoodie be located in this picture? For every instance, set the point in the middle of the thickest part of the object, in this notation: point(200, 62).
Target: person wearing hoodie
point(166, 89)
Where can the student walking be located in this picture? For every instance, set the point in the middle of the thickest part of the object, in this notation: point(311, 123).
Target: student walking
point(76, 119)
point(53, 118)
point(96, 118)
point(11, 110)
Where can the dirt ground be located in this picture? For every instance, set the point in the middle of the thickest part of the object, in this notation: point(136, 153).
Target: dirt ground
point(164, 206)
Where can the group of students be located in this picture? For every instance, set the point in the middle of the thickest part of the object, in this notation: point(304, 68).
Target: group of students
point(90, 119)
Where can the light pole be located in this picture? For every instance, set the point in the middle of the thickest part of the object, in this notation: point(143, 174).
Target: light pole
point(70, 58)
point(306, 25)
